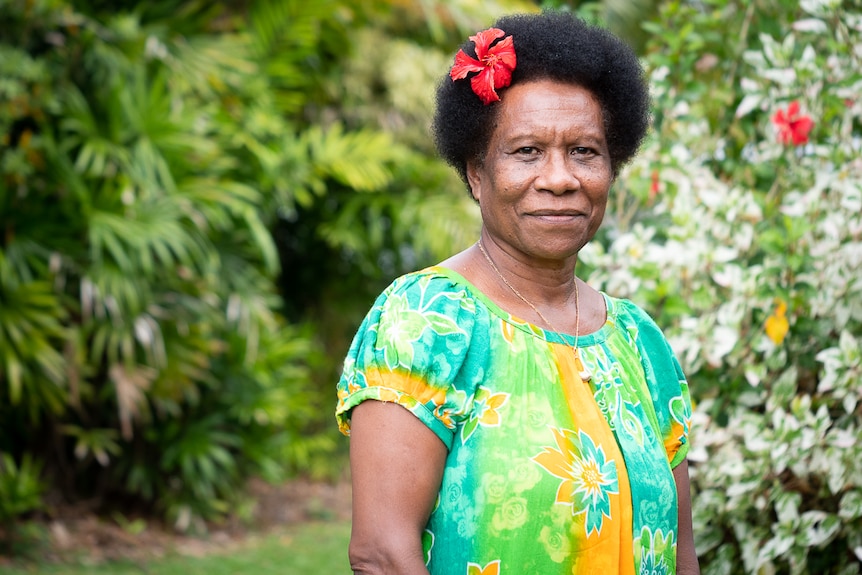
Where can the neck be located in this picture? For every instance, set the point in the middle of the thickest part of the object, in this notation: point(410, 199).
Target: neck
point(583, 372)
point(545, 283)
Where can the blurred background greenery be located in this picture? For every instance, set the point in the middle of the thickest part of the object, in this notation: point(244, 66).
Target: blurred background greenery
point(199, 201)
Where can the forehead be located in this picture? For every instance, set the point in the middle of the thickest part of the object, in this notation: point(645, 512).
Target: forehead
point(549, 106)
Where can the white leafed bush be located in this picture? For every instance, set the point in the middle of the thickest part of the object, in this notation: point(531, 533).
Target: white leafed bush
point(740, 228)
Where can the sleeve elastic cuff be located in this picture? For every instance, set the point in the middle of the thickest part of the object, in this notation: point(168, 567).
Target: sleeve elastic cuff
point(389, 395)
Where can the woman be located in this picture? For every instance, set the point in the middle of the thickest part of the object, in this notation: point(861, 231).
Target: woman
point(506, 418)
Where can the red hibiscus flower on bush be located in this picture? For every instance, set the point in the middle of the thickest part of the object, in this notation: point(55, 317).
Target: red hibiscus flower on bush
point(793, 127)
point(494, 64)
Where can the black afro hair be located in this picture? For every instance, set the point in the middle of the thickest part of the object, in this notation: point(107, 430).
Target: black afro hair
point(550, 46)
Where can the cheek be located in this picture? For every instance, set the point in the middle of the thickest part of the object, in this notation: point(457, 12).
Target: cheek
point(501, 188)
point(596, 220)
point(598, 215)
point(601, 177)
point(600, 184)
point(599, 172)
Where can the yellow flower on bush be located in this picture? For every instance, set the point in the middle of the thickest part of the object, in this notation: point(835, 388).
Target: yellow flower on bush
point(776, 325)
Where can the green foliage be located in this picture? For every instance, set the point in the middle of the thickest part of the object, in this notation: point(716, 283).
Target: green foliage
point(306, 549)
point(21, 489)
point(195, 208)
point(731, 237)
point(625, 18)
point(144, 159)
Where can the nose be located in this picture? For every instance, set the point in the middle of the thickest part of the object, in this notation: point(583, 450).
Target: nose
point(558, 174)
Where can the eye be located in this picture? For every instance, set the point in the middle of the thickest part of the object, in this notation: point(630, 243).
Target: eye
point(527, 151)
point(583, 151)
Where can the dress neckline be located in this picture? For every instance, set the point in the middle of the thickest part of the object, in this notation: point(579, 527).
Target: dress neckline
point(584, 339)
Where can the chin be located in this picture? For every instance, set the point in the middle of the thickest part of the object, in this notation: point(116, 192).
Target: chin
point(553, 251)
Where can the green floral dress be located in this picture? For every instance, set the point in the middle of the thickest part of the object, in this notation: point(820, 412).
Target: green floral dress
point(545, 473)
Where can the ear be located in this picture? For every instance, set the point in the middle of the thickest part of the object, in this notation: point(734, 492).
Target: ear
point(474, 179)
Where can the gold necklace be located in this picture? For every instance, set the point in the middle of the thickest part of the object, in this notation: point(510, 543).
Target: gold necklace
point(583, 372)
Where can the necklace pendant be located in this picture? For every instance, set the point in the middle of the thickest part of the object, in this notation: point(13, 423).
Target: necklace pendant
point(583, 372)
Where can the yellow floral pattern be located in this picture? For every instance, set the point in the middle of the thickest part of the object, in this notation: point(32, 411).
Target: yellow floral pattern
point(587, 478)
point(486, 411)
point(492, 568)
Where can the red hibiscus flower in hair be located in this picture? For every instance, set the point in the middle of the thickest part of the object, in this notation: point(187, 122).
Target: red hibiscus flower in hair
point(494, 64)
point(792, 126)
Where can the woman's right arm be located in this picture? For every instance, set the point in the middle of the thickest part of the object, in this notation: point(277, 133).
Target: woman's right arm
point(396, 465)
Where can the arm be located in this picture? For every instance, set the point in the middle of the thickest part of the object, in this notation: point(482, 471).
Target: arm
point(686, 558)
point(396, 466)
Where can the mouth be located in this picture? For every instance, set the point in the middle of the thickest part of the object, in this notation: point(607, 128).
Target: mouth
point(556, 216)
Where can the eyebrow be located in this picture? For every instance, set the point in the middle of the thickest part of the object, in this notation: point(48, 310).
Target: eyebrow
point(594, 137)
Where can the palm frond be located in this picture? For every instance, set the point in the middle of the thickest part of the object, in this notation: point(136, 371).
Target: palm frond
point(31, 331)
point(150, 233)
point(276, 25)
point(97, 144)
point(360, 159)
point(224, 205)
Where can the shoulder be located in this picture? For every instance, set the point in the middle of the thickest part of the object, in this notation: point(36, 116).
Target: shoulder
point(418, 347)
point(430, 321)
point(634, 320)
point(630, 313)
point(657, 356)
point(430, 286)
point(433, 298)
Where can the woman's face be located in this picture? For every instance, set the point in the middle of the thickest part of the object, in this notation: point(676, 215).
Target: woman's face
point(543, 185)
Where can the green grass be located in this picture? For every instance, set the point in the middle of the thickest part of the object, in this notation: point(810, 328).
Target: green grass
point(310, 549)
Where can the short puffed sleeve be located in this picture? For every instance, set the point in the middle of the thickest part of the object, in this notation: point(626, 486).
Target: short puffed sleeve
point(420, 346)
point(668, 386)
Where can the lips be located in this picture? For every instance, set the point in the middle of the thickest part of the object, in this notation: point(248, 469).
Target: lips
point(560, 216)
point(556, 213)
